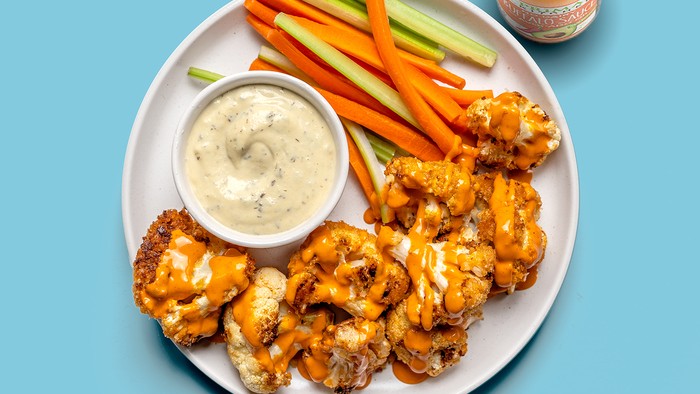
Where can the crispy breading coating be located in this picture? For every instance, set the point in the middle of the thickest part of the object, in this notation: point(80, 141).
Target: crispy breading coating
point(183, 275)
point(347, 354)
point(430, 351)
point(513, 132)
point(339, 264)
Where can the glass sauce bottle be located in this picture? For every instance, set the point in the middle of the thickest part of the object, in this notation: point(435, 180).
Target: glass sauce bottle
point(549, 21)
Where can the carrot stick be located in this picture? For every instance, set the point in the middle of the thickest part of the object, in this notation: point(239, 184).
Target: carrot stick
point(265, 13)
point(438, 98)
point(434, 70)
point(409, 139)
point(299, 8)
point(361, 46)
point(466, 97)
point(259, 64)
point(433, 126)
point(360, 169)
point(259, 25)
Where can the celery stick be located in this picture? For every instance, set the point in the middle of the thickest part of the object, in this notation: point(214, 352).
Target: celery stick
point(382, 154)
point(384, 149)
point(204, 75)
point(356, 15)
point(438, 32)
point(276, 58)
point(353, 71)
point(376, 172)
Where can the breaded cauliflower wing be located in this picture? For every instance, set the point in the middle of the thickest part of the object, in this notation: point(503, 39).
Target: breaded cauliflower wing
point(263, 334)
point(450, 282)
point(183, 275)
point(347, 354)
point(510, 225)
point(439, 191)
point(339, 264)
point(513, 132)
point(450, 277)
point(430, 352)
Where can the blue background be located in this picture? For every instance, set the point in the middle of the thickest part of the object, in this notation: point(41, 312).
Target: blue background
point(73, 74)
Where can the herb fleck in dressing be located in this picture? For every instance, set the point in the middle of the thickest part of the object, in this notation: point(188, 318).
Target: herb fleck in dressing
point(260, 159)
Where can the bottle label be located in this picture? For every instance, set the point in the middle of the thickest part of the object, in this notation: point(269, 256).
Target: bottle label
point(556, 21)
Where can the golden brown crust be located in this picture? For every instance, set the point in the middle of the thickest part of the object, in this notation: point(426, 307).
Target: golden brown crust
point(156, 242)
point(157, 239)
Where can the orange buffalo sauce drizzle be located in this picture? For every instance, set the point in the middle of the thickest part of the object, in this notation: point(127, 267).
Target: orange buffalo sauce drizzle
point(336, 276)
point(293, 332)
point(506, 117)
point(175, 285)
point(427, 267)
point(405, 374)
point(508, 248)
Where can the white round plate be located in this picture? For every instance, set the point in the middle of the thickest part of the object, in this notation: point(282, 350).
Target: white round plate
point(224, 43)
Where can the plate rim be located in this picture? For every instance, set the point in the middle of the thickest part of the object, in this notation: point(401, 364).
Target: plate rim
point(567, 143)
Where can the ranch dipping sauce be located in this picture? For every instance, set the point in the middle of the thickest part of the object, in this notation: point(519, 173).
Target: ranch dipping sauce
point(260, 159)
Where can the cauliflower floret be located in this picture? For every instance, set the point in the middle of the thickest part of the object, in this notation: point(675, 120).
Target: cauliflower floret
point(263, 334)
point(440, 191)
point(510, 225)
point(347, 354)
point(450, 277)
point(339, 264)
point(430, 352)
point(183, 275)
point(512, 131)
point(450, 282)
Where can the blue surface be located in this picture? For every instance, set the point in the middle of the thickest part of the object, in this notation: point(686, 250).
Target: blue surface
point(74, 74)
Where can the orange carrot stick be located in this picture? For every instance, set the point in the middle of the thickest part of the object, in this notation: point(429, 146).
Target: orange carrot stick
point(409, 139)
point(358, 44)
point(265, 13)
point(438, 98)
point(259, 64)
point(433, 126)
point(259, 25)
point(434, 70)
point(360, 169)
point(466, 97)
point(299, 8)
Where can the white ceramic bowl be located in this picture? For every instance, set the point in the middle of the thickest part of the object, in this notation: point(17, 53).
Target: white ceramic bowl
point(195, 207)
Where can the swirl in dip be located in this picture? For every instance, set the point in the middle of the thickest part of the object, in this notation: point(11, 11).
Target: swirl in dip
point(260, 159)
